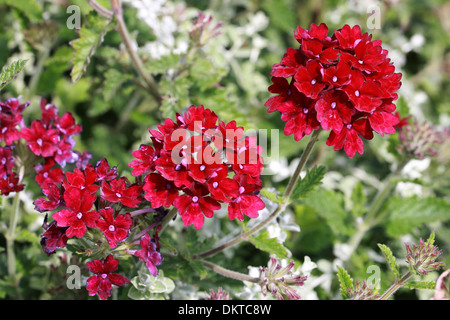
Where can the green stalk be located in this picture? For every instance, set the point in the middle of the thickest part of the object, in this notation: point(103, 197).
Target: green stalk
point(229, 273)
point(397, 285)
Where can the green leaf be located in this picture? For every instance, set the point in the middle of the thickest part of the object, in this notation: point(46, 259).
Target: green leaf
point(271, 196)
point(390, 259)
point(31, 8)
point(418, 284)
point(345, 282)
point(312, 179)
point(90, 37)
point(430, 241)
point(405, 214)
point(10, 72)
point(270, 245)
point(329, 205)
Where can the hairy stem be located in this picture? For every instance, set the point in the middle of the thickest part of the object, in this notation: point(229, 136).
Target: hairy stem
point(287, 193)
point(137, 62)
point(229, 273)
point(97, 7)
point(172, 213)
point(397, 285)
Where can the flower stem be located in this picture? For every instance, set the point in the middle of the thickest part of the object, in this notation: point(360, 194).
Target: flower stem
point(137, 62)
point(397, 285)
point(229, 273)
point(172, 213)
point(287, 193)
point(11, 257)
point(371, 219)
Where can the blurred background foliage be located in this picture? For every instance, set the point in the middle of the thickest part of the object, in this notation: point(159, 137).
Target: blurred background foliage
point(230, 73)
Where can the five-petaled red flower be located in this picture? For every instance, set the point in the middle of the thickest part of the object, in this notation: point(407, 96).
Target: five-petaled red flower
point(115, 229)
point(104, 277)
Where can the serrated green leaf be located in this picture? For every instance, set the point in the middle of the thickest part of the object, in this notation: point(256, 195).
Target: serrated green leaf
point(329, 205)
point(90, 37)
point(312, 179)
point(10, 72)
point(417, 284)
point(271, 196)
point(430, 240)
point(390, 259)
point(405, 214)
point(270, 245)
point(345, 283)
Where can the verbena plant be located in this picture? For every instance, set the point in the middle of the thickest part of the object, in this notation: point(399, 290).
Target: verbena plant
point(185, 209)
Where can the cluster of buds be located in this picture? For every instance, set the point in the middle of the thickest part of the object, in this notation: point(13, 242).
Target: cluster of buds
point(419, 140)
point(422, 258)
point(362, 291)
point(219, 295)
point(278, 280)
point(202, 30)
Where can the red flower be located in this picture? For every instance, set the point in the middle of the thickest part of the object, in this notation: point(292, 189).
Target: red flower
point(101, 283)
point(159, 191)
point(119, 191)
point(145, 162)
point(53, 238)
point(104, 171)
point(54, 198)
point(247, 202)
point(349, 137)
point(194, 204)
point(81, 180)
point(333, 110)
point(40, 140)
point(66, 125)
point(10, 119)
point(308, 79)
point(347, 78)
point(114, 229)
point(10, 183)
point(45, 173)
point(149, 254)
point(79, 213)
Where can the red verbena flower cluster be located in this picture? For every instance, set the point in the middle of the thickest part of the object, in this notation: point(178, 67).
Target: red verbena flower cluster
point(49, 139)
point(198, 163)
point(344, 84)
point(96, 198)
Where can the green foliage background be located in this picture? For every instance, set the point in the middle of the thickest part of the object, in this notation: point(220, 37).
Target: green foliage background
point(230, 75)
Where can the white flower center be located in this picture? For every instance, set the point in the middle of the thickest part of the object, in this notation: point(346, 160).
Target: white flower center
point(79, 215)
point(194, 199)
point(334, 79)
point(112, 228)
point(333, 105)
point(215, 184)
point(313, 81)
